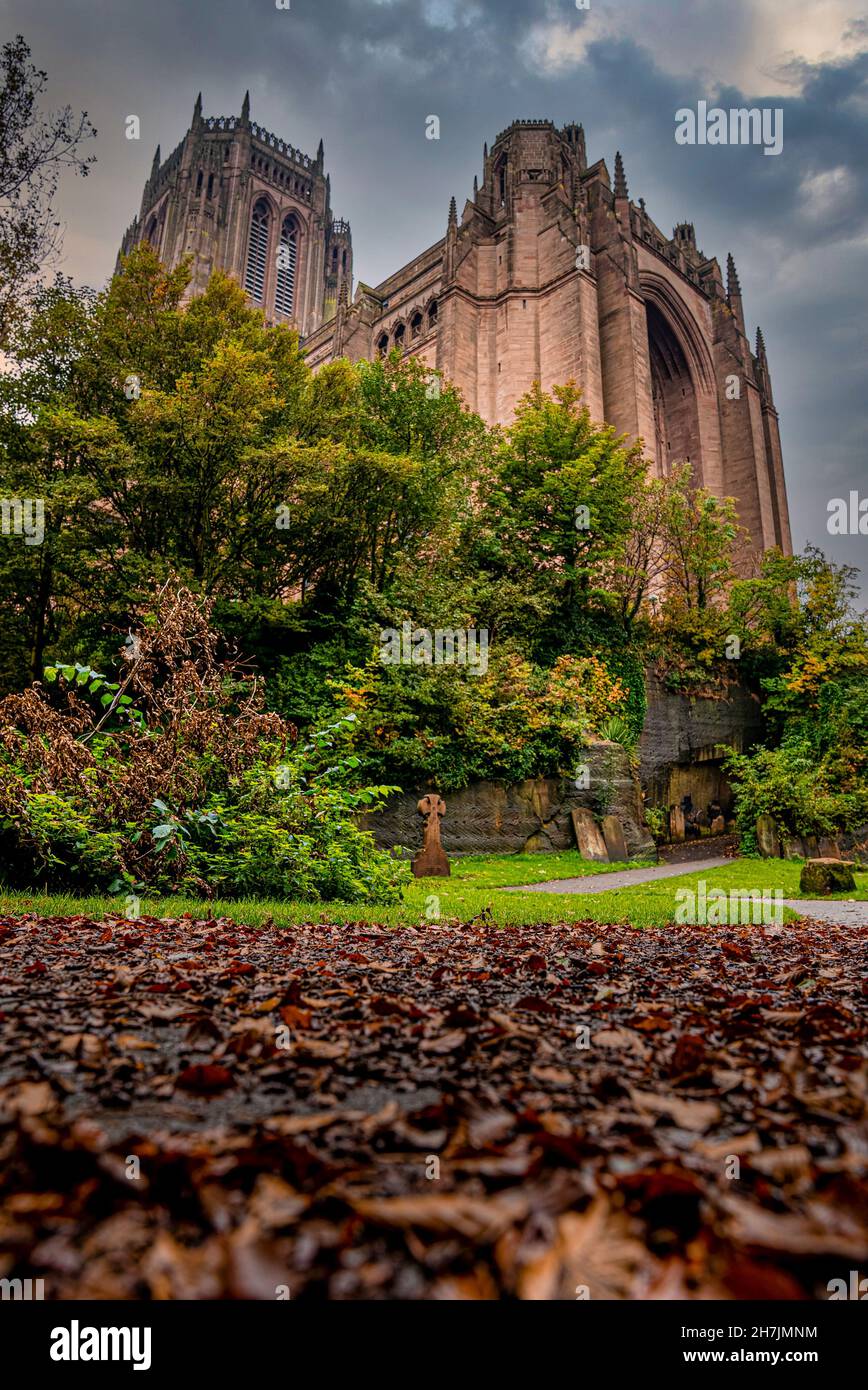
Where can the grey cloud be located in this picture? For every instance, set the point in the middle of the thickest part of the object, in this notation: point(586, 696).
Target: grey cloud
point(364, 75)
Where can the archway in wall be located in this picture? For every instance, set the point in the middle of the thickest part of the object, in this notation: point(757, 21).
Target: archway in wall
point(676, 416)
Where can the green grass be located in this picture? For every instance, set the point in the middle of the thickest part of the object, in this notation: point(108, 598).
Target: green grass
point(473, 887)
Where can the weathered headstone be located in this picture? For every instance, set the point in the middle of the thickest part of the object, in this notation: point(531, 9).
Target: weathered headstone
point(827, 876)
point(676, 823)
point(767, 838)
point(794, 847)
point(829, 848)
point(718, 826)
point(431, 861)
point(588, 838)
point(613, 835)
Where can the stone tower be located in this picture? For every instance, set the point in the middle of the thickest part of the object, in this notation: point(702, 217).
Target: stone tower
point(235, 197)
point(551, 274)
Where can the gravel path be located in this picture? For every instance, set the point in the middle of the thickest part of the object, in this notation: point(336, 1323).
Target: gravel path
point(843, 914)
point(840, 913)
point(604, 883)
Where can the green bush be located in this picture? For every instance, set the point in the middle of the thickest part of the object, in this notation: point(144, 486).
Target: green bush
point(795, 788)
point(175, 778)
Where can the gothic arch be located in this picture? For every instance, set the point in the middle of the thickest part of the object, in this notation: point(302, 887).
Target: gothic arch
point(657, 290)
point(501, 176)
point(681, 375)
point(288, 260)
point(258, 242)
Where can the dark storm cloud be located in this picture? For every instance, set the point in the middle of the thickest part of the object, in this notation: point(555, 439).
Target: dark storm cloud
point(364, 74)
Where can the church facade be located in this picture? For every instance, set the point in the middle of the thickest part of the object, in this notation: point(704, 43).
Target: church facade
point(552, 273)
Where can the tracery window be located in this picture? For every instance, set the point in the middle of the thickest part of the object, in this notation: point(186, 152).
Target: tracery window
point(257, 251)
point(287, 267)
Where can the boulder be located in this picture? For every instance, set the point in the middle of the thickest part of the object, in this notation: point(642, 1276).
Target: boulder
point(588, 837)
point(767, 838)
point(822, 876)
point(614, 838)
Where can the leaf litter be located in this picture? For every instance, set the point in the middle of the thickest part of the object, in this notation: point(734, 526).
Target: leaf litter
point(200, 1109)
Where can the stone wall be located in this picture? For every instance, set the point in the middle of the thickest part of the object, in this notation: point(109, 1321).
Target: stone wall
point(491, 818)
point(681, 753)
point(685, 740)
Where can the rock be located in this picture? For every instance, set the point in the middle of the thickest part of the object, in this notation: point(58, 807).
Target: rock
point(614, 838)
point(793, 847)
point(854, 843)
point(767, 838)
point(588, 838)
point(827, 876)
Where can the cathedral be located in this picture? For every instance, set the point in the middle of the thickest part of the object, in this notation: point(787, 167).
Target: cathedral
point(551, 273)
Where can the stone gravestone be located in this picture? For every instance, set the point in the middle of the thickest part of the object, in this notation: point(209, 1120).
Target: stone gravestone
point(676, 823)
point(431, 861)
point(588, 838)
point(767, 838)
point(614, 838)
point(794, 847)
point(718, 826)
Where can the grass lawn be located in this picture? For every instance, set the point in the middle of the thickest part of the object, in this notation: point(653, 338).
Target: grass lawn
point(472, 889)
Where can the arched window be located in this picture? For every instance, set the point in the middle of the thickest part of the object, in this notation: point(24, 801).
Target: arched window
point(210, 193)
point(398, 336)
point(432, 313)
point(415, 325)
point(257, 251)
point(287, 264)
point(152, 234)
point(199, 177)
point(383, 344)
point(500, 183)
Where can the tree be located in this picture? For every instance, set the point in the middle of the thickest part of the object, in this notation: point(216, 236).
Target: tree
point(35, 148)
point(557, 504)
point(699, 536)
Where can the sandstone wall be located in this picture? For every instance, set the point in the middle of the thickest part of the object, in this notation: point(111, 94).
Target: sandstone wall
point(685, 740)
point(491, 818)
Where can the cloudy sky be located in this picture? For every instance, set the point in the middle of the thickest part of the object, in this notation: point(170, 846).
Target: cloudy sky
point(364, 74)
